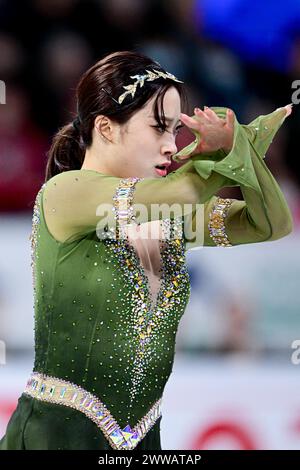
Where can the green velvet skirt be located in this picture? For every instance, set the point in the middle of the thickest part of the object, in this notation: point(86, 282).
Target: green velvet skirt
point(38, 425)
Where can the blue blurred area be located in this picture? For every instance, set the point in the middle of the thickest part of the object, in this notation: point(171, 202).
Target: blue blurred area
point(259, 31)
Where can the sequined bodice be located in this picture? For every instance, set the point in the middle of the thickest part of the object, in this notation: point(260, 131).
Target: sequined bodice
point(146, 241)
point(107, 313)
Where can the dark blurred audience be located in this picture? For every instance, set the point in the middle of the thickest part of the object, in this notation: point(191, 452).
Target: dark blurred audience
point(23, 145)
point(47, 44)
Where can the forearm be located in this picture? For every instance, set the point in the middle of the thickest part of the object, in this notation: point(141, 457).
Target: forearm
point(274, 203)
point(266, 211)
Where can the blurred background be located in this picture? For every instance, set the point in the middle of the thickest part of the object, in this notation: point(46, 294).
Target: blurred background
point(235, 382)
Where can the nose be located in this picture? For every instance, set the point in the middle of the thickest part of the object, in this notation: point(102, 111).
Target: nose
point(169, 148)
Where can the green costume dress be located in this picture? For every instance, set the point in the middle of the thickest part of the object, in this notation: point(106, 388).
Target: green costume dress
point(106, 315)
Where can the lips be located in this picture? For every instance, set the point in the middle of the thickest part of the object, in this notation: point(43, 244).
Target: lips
point(161, 168)
point(165, 164)
point(161, 172)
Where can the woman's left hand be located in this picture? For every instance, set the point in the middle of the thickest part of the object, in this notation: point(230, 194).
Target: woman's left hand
point(216, 133)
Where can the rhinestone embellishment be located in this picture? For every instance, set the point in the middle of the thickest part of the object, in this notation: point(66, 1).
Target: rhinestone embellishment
point(216, 224)
point(62, 392)
point(149, 317)
point(123, 208)
point(34, 237)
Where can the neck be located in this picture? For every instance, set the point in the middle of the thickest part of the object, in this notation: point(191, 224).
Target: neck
point(93, 162)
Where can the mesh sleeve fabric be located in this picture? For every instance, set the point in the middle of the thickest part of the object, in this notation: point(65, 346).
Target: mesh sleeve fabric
point(263, 214)
point(78, 202)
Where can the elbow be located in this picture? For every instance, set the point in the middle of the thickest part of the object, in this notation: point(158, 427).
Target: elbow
point(283, 229)
point(289, 225)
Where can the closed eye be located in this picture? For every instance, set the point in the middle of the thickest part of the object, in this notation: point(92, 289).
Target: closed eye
point(179, 127)
point(163, 129)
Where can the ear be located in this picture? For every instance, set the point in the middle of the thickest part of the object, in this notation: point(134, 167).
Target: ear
point(104, 127)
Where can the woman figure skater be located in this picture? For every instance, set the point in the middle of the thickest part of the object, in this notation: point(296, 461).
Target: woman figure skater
point(107, 296)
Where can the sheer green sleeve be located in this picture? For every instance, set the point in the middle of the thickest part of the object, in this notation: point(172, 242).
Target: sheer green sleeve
point(78, 202)
point(263, 215)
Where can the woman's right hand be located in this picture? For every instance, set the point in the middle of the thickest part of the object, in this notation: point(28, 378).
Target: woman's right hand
point(216, 133)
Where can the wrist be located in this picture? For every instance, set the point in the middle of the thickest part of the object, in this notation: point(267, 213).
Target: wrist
point(226, 150)
point(228, 142)
point(227, 147)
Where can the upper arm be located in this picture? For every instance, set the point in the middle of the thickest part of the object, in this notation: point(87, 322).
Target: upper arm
point(78, 202)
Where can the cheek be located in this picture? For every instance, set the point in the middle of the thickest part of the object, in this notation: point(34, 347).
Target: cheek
point(141, 149)
point(145, 143)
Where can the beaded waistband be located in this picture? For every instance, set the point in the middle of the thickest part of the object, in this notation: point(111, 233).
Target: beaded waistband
point(62, 392)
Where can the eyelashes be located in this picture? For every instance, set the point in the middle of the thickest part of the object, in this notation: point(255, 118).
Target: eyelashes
point(162, 129)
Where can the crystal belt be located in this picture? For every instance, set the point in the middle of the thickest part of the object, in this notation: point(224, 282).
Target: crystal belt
point(55, 390)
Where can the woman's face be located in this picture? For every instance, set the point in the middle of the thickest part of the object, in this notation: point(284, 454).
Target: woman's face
point(143, 146)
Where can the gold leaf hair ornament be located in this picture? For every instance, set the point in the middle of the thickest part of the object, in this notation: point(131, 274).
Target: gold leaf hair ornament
point(140, 80)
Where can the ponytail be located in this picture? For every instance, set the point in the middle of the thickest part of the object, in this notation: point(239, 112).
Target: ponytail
point(66, 152)
point(96, 94)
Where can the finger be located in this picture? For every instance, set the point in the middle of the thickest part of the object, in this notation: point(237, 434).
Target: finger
point(201, 114)
point(189, 121)
point(230, 118)
point(289, 108)
point(211, 114)
point(203, 120)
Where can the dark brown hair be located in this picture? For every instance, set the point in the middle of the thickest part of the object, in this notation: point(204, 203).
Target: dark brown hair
point(111, 73)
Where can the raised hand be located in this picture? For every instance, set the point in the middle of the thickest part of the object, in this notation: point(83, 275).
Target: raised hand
point(216, 133)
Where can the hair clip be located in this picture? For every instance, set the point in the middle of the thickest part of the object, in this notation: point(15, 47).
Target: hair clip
point(107, 92)
point(140, 80)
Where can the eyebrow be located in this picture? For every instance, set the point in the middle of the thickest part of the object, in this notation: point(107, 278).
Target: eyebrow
point(168, 119)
